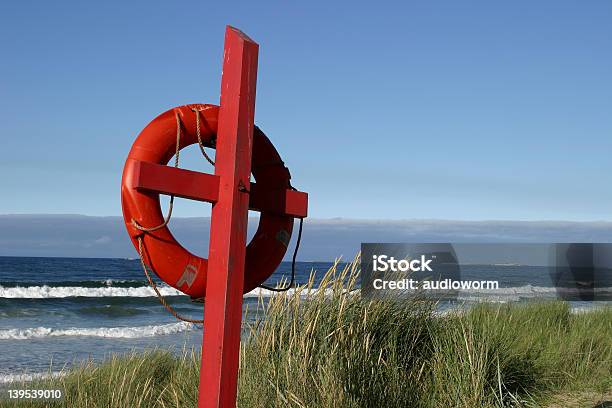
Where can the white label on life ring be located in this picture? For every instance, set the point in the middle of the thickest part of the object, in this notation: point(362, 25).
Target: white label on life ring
point(189, 275)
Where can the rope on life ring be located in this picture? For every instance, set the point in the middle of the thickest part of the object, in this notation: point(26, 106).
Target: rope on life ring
point(161, 297)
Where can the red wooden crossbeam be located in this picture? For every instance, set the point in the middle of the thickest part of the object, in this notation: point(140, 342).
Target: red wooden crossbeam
point(281, 202)
point(198, 186)
point(182, 183)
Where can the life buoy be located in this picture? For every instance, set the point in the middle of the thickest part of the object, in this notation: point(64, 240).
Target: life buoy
point(162, 253)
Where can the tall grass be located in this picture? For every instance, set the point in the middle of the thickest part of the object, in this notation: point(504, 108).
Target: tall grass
point(327, 347)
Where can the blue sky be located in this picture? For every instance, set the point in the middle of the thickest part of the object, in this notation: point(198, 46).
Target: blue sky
point(382, 110)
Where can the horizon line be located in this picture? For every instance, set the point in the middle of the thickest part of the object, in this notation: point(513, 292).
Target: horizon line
point(552, 220)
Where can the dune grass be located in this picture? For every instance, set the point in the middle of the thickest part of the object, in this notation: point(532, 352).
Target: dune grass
point(330, 348)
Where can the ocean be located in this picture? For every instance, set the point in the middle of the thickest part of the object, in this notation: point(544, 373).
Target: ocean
point(57, 312)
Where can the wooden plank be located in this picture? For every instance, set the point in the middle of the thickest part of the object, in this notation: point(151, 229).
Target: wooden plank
point(193, 185)
point(282, 202)
point(182, 183)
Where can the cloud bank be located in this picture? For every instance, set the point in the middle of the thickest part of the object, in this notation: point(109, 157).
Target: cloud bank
point(323, 239)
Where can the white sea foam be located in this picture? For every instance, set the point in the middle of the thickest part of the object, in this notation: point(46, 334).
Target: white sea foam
point(269, 293)
point(46, 292)
point(107, 332)
point(526, 292)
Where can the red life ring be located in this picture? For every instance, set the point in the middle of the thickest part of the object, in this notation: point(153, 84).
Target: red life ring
point(162, 253)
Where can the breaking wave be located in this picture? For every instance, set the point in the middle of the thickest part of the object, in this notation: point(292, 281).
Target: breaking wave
point(50, 292)
point(46, 292)
point(105, 332)
point(528, 292)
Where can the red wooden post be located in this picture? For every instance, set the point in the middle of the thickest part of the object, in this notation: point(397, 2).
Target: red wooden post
point(232, 195)
point(223, 304)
